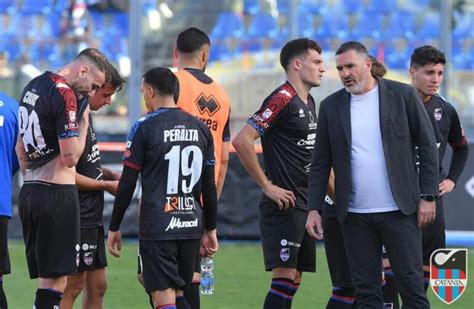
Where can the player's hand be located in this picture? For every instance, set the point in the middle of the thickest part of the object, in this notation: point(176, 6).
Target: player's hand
point(426, 212)
point(313, 225)
point(283, 198)
point(114, 243)
point(111, 186)
point(446, 186)
point(209, 243)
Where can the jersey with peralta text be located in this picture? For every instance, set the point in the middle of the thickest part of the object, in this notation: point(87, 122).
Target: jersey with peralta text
point(48, 112)
point(170, 148)
point(287, 127)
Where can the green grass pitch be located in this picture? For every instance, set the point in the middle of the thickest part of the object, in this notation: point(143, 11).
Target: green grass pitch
point(240, 281)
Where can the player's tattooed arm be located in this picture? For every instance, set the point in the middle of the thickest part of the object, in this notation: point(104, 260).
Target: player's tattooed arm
point(21, 154)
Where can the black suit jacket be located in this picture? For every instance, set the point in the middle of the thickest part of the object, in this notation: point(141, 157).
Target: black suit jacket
point(403, 123)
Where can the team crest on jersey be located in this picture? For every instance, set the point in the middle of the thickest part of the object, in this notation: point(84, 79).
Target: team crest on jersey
point(267, 113)
point(301, 112)
point(284, 254)
point(438, 113)
point(448, 273)
point(207, 104)
point(88, 258)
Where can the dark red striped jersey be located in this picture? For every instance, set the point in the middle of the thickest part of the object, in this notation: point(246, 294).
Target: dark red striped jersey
point(287, 127)
point(48, 112)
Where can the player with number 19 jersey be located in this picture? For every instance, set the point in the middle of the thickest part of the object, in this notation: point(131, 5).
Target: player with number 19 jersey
point(171, 149)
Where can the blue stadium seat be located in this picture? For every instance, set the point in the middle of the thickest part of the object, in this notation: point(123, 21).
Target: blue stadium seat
point(120, 22)
point(228, 24)
point(263, 25)
point(23, 26)
point(430, 28)
point(352, 6)
point(464, 28)
point(369, 25)
point(11, 47)
point(251, 7)
point(36, 6)
point(397, 58)
point(312, 7)
point(401, 24)
point(382, 6)
point(463, 54)
point(282, 6)
point(333, 26)
point(7, 6)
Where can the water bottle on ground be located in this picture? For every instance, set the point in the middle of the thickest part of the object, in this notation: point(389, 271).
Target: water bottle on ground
point(207, 276)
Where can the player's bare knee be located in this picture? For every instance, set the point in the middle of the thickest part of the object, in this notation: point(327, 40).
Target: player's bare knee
point(196, 277)
point(140, 279)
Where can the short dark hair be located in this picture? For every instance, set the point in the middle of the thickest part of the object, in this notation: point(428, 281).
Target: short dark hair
point(352, 45)
point(96, 57)
point(426, 54)
point(295, 48)
point(162, 79)
point(191, 40)
point(113, 77)
point(378, 69)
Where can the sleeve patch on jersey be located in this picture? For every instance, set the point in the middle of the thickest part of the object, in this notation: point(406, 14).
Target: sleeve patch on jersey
point(260, 130)
point(132, 165)
point(210, 162)
point(68, 134)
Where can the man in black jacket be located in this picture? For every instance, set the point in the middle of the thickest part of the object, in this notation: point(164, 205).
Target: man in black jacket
point(367, 132)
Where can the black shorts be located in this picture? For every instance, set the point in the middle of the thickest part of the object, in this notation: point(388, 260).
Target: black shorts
point(92, 255)
point(434, 235)
point(336, 255)
point(4, 256)
point(285, 242)
point(49, 214)
point(167, 264)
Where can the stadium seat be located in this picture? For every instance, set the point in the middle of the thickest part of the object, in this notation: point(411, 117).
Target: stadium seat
point(228, 24)
point(397, 57)
point(313, 7)
point(31, 7)
point(430, 27)
point(263, 25)
point(352, 6)
point(7, 6)
point(465, 27)
point(251, 7)
point(11, 47)
point(333, 26)
point(401, 24)
point(368, 25)
point(382, 6)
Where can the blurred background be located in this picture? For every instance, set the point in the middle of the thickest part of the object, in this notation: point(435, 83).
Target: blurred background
point(246, 37)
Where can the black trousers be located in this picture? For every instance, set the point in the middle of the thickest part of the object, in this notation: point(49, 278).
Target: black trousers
point(364, 235)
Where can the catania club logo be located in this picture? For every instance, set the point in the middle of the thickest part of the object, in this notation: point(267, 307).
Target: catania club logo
point(448, 273)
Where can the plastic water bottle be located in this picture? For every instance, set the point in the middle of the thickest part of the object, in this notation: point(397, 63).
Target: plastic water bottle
point(207, 276)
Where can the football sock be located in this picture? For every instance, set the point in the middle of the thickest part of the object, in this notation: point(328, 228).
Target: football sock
point(341, 298)
point(3, 298)
point(181, 303)
point(47, 299)
point(281, 291)
point(389, 289)
point(427, 279)
point(292, 292)
point(192, 295)
point(167, 306)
